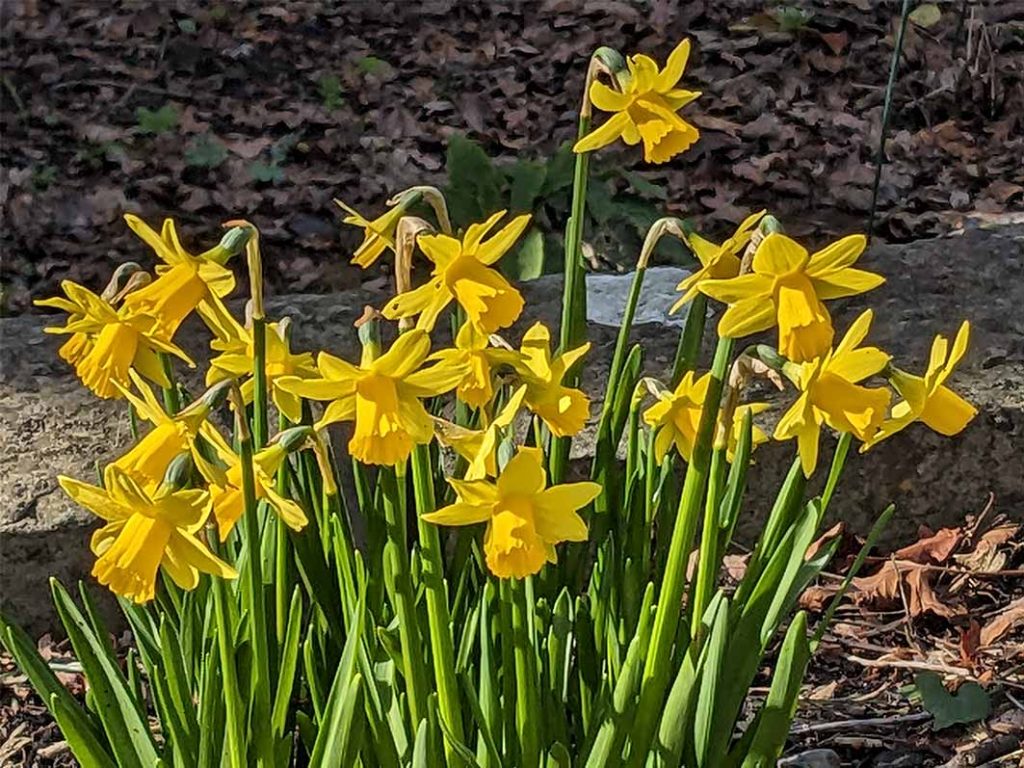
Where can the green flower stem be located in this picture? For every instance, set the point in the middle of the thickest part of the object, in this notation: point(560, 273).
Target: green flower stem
point(282, 552)
point(656, 673)
point(574, 297)
point(707, 568)
point(438, 617)
point(689, 340)
point(509, 672)
point(572, 331)
point(528, 711)
point(621, 343)
point(235, 718)
point(253, 588)
point(172, 398)
point(259, 381)
point(396, 570)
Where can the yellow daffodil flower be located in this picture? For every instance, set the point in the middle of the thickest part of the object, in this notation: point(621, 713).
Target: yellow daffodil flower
point(525, 519)
point(645, 110)
point(147, 461)
point(106, 344)
point(757, 435)
point(564, 409)
point(476, 388)
point(461, 272)
point(927, 398)
point(717, 262)
point(382, 396)
point(184, 280)
point(145, 531)
point(235, 344)
point(378, 234)
point(786, 289)
point(676, 416)
point(479, 446)
point(830, 394)
point(225, 484)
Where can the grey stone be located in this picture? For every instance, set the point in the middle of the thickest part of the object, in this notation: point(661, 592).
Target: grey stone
point(52, 426)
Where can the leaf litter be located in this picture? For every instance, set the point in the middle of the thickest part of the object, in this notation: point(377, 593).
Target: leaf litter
point(176, 108)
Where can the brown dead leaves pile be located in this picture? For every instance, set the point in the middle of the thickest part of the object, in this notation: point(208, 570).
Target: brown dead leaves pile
point(281, 107)
point(943, 574)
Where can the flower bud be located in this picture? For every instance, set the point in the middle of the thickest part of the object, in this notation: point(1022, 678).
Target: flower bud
point(232, 243)
point(119, 280)
point(368, 327)
point(179, 472)
point(214, 397)
point(294, 438)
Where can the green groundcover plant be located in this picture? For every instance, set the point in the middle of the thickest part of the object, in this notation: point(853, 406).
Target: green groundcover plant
point(447, 588)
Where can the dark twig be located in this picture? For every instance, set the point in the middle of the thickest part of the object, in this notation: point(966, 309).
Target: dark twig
point(880, 158)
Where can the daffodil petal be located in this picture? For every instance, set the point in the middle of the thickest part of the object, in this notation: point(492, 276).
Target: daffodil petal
point(604, 134)
point(778, 255)
point(946, 412)
point(746, 317)
point(846, 282)
point(738, 289)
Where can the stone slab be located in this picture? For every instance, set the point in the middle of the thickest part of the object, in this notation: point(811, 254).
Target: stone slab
point(51, 425)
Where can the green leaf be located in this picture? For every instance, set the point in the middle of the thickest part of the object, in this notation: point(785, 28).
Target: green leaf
point(80, 736)
point(336, 723)
point(159, 121)
point(205, 151)
point(331, 92)
point(266, 172)
point(711, 673)
point(474, 188)
point(527, 261)
point(644, 186)
point(120, 713)
point(72, 718)
point(527, 182)
point(969, 704)
point(926, 15)
point(773, 721)
point(372, 65)
point(289, 663)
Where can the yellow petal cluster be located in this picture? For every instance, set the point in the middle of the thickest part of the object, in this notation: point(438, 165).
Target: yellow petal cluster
point(383, 398)
point(525, 519)
point(563, 409)
point(831, 393)
point(236, 360)
point(786, 288)
point(145, 531)
point(927, 398)
point(676, 418)
point(378, 234)
point(645, 109)
point(462, 273)
point(106, 344)
point(184, 280)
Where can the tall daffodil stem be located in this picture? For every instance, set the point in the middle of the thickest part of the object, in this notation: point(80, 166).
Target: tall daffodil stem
point(656, 675)
point(438, 617)
point(574, 289)
point(259, 381)
point(252, 587)
point(172, 398)
point(398, 580)
point(528, 723)
point(689, 340)
point(234, 716)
